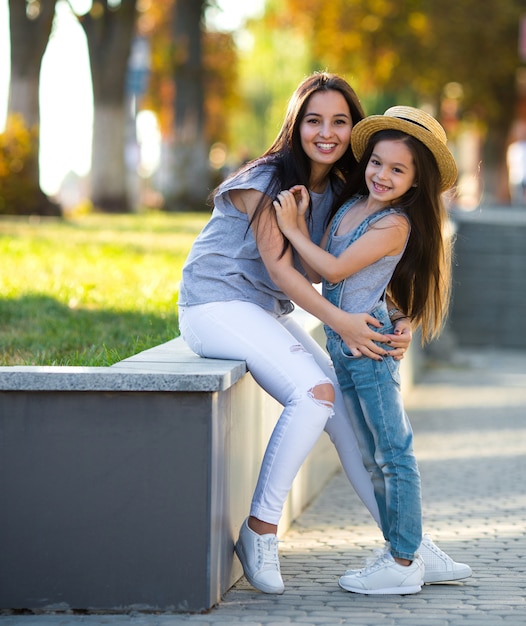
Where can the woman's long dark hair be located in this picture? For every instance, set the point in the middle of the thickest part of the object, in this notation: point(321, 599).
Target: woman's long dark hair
point(421, 283)
point(286, 155)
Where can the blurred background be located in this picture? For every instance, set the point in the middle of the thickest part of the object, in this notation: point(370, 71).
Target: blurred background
point(133, 104)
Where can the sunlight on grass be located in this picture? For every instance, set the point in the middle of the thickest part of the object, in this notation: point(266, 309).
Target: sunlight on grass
point(91, 290)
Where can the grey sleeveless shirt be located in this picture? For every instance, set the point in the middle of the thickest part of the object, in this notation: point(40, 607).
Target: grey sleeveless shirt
point(224, 262)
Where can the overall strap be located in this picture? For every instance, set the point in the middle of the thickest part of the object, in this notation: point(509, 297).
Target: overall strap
point(374, 217)
point(339, 216)
point(363, 226)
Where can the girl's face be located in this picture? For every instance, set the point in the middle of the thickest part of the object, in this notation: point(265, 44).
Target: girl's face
point(325, 129)
point(390, 172)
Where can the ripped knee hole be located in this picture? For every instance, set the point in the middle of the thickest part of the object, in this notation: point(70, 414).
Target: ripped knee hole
point(323, 393)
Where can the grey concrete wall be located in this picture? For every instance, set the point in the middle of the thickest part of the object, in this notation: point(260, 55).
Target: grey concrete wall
point(94, 486)
point(489, 296)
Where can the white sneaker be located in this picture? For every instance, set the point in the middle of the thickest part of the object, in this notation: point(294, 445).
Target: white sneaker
point(439, 566)
point(385, 576)
point(259, 557)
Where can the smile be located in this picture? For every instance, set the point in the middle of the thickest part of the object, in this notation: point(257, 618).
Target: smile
point(326, 147)
point(379, 187)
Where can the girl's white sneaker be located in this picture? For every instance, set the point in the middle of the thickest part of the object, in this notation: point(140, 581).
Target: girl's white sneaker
point(385, 576)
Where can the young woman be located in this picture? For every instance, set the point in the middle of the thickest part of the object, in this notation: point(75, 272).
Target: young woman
point(236, 294)
point(391, 235)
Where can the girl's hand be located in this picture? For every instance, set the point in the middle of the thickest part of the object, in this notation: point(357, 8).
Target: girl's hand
point(290, 206)
point(302, 196)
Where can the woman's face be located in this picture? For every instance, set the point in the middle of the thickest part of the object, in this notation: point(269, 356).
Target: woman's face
point(325, 129)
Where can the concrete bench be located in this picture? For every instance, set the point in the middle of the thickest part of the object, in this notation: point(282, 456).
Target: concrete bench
point(124, 487)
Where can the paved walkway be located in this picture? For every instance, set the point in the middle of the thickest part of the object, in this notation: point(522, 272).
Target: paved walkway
point(469, 420)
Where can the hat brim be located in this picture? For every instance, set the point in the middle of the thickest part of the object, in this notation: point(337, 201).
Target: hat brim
point(366, 128)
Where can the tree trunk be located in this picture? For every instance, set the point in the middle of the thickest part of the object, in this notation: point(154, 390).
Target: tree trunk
point(29, 37)
point(186, 173)
point(108, 169)
point(109, 32)
point(29, 32)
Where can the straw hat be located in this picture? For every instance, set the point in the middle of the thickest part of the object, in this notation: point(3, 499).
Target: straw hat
point(414, 122)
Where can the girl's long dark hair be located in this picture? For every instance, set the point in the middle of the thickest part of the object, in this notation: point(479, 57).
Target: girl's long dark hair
point(286, 155)
point(421, 283)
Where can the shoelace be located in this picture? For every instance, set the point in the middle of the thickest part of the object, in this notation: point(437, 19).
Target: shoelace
point(373, 562)
point(432, 547)
point(268, 552)
point(378, 553)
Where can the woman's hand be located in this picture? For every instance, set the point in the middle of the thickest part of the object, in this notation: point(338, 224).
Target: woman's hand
point(401, 338)
point(355, 331)
point(363, 341)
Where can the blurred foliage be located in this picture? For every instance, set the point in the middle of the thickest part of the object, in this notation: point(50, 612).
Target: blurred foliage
point(154, 23)
point(220, 77)
point(418, 46)
point(459, 59)
point(220, 83)
point(274, 57)
point(19, 189)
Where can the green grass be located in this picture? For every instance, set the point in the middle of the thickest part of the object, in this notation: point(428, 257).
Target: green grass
point(91, 290)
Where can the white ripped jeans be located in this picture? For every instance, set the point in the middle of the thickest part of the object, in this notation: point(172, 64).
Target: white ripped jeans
point(288, 364)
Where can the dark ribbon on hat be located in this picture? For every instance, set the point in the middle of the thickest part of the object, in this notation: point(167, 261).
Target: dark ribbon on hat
point(413, 122)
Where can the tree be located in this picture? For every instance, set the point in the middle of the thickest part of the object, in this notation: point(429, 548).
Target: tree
point(186, 156)
point(30, 24)
point(109, 29)
point(184, 177)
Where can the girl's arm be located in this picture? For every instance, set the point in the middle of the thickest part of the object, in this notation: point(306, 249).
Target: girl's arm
point(291, 217)
point(379, 241)
point(353, 328)
point(302, 198)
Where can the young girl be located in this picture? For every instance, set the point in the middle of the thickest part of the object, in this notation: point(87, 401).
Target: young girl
point(390, 234)
point(235, 298)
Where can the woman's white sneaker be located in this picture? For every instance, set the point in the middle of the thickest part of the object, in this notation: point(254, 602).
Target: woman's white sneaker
point(440, 567)
point(385, 576)
point(259, 557)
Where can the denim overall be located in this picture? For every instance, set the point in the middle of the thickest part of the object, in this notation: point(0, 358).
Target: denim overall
point(372, 394)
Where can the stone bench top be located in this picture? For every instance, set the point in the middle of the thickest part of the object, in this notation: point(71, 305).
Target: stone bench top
point(171, 366)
